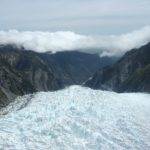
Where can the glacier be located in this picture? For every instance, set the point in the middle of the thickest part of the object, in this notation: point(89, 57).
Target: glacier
point(76, 118)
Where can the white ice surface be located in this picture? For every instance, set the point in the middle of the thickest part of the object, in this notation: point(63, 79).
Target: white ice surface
point(77, 118)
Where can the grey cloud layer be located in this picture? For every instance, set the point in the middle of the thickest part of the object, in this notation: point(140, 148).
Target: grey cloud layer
point(83, 16)
point(60, 41)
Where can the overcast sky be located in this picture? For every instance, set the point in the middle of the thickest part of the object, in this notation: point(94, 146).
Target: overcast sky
point(80, 16)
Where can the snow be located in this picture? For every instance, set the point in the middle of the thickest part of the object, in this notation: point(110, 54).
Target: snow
point(77, 118)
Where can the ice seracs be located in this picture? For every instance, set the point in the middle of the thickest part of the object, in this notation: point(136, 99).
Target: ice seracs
point(77, 118)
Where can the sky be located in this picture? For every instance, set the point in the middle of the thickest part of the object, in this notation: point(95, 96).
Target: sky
point(107, 27)
point(88, 17)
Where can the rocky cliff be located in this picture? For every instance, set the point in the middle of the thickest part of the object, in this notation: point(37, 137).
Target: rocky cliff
point(130, 74)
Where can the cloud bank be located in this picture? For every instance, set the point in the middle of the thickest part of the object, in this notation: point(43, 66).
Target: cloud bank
point(66, 41)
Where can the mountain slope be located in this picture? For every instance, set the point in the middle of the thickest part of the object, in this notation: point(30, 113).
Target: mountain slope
point(23, 72)
point(75, 67)
point(130, 73)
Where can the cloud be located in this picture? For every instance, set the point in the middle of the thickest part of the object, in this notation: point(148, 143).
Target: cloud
point(81, 16)
point(66, 40)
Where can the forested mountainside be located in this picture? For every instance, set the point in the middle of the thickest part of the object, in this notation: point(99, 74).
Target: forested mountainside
point(129, 74)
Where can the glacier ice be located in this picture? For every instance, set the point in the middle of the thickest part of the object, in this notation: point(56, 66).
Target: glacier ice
point(76, 118)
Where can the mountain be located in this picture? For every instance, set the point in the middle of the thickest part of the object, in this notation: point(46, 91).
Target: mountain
point(129, 74)
point(23, 72)
point(74, 67)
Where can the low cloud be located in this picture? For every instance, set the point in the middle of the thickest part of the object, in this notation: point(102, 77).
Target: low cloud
point(66, 41)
